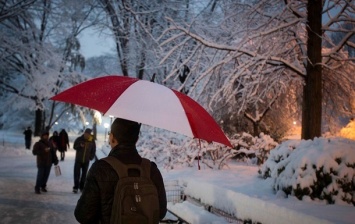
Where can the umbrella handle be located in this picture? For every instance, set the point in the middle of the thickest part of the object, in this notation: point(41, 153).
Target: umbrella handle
point(198, 155)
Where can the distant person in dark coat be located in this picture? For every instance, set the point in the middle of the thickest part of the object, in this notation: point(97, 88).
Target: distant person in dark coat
point(46, 156)
point(28, 137)
point(63, 143)
point(85, 148)
point(54, 140)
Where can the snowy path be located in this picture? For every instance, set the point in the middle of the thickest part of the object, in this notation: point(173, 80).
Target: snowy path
point(19, 203)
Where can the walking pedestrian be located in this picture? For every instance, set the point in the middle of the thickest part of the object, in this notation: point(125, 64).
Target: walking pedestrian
point(63, 143)
point(46, 156)
point(54, 140)
point(85, 148)
point(28, 137)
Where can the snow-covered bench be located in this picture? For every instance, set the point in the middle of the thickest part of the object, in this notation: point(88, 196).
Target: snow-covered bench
point(186, 209)
point(190, 213)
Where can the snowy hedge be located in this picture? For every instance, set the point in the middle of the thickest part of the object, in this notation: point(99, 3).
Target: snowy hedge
point(254, 149)
point(323, 168)
point(172, 150)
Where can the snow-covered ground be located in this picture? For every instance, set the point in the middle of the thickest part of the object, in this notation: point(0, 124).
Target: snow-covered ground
point(238, 189)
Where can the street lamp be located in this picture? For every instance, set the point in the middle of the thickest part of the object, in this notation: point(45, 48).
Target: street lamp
point(106, 125)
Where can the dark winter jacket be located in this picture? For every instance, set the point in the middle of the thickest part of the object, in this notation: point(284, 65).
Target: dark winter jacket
point(54, 140)
point(95, 203)
point(44, 158)
point(28, 134)
point(63, 141)
point(85, 149)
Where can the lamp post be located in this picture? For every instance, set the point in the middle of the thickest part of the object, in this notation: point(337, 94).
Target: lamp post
point(106, 126)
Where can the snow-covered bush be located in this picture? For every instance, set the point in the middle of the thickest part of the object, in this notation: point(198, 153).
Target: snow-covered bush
point(323, 168)
point(185, 153)
point(254, 149)
point(171, 149)
point(214, 156)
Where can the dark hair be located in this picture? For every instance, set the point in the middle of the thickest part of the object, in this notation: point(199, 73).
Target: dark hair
point(44, 133)
point(88, 130)
point(125, 131)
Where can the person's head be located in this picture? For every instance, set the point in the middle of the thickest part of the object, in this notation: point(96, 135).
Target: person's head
point(87, 133)
point(55, 133)
point(44, 135)
point(124, 132)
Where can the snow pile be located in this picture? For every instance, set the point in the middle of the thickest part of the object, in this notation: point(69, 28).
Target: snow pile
point(322, 169)
point(246, 208)
point(236, 188)
point(195, 214)
point(11, 151)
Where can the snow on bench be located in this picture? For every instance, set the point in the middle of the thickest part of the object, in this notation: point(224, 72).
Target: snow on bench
point(245, 207)
point(192, 214)
point(194, 201)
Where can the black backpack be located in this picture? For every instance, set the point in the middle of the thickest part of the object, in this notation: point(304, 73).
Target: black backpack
point(136, 199)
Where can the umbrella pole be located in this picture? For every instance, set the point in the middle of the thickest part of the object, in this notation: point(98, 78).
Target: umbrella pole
point(198, 156)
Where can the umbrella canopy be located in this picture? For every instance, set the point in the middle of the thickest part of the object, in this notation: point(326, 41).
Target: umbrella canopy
point(145, 102)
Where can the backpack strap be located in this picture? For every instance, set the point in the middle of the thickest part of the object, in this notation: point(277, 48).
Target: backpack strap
point(145, 168)
point(122, 169)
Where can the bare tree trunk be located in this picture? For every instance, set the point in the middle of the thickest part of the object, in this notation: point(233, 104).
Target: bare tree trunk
point(256, 129)
point(38, 122)
point(312, 91)
point(120, 28)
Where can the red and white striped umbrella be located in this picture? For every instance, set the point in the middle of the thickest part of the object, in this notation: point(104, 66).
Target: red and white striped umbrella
point(147, 103)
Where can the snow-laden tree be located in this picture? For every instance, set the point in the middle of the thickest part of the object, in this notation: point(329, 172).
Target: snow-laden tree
point(68, 20)
point(245, 54)
point(102, 65)
point(12, 8)
point(135, 26)
point(29, 62)
point(39, 54)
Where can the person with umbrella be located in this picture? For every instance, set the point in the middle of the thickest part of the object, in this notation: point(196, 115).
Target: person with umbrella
point(96, 201)
point(147, 103)
point(85, 148)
